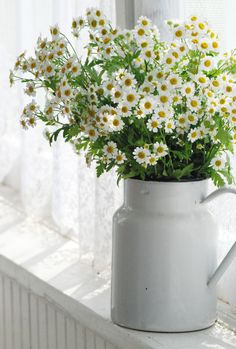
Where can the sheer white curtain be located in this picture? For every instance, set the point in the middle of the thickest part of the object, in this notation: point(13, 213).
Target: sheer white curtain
point(54, 182)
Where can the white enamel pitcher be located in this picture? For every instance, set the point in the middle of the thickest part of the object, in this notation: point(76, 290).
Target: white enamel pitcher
point(164, 264)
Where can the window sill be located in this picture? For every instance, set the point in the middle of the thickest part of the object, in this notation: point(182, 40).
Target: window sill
point(46, 264)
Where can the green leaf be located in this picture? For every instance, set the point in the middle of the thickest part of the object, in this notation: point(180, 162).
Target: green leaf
point(217, 179)
point(184, 172)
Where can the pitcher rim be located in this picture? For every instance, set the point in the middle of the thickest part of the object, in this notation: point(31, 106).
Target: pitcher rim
point(174, 181)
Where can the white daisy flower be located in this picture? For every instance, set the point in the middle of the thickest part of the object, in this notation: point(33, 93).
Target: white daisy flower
point(141, 155)
point(201, 80)
point(169, 126)
point(130, 97)
point(117, 94)
point(116, 123)
point(193, 135)
point(124, 109)
point(128, 80)
point(174, 81)
point(194, 103)
point(91, 132)
point(207, 63)
point(192, 118)
point(188, 89)
point(152, 160)
point(204, 45)
point(110, 150)
point(120, 158)
point(147, 105)
point(164, 98)
point(30, 89)
point(218, 163)
point(163, 113)
point(153, 124)
point(160, 149)
point(182, 121)
point(144, 22)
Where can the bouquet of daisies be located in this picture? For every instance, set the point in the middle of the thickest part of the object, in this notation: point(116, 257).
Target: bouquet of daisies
point(154, 110)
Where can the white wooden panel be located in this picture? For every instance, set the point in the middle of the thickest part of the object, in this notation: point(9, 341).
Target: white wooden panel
point(16, 316)
point(51, 316)
point(99, 343)
point(25, 318)
point(61, 330)
point(43, 324)
point(70, 334)
point(80, 337)
point(8, 313)
point(90, 339)
point(34, 334)
point(2, 319)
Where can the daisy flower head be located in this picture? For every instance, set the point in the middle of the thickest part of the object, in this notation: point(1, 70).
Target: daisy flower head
point(164, 98)
point(163, 112)
point(140, 32)
point(116, 123)
point(110, 150)
point(188, 89)
point(179, 31)
point(124, 109)
point(160, 149)
point(117, 94)
point(92, 132)
point(207, 63)
point(192, 118)
point(218, 163)
point(130, 97)
point(144, 22)
point(55, 31)
point(153, 124)
point(169, 126)
point(30, 89)
point(202, 80)
point(147, 105)
point(128, 80)
point(120, 158)
point(152, 160)
point(174, 81)
point(194, 103)
point(193, 135)
point(204, 45)
point(141, 155)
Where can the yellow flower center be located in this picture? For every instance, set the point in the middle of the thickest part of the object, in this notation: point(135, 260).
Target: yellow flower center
point(207, 63)
point(194, 103)
point(204, 45)
point(141, 155)
point(154, 124)
point(116, 122)
point(147, 105)
point(188, 90)
point(173, 81)
point(160, 149)
point(164, 99)
point(141, 32)
point(91, 133)
point(218, 163)
point(229, 88)
point(128, 82)
point(161, 114)
point(178, 33)
point(130, 98)
point(191, 118)
point(169, 60)
point(117, 94)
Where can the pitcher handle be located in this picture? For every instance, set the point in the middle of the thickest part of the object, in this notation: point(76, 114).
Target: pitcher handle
point(232, 252)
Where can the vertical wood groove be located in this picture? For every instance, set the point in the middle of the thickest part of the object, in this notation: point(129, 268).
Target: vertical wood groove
point(28, 321)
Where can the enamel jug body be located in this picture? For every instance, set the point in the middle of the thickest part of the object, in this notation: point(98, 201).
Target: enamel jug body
point(164, 256)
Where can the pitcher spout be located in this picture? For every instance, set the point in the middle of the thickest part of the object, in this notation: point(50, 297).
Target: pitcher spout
point(222, 267)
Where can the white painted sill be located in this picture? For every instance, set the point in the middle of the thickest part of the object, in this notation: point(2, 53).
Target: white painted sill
point(36, 256)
